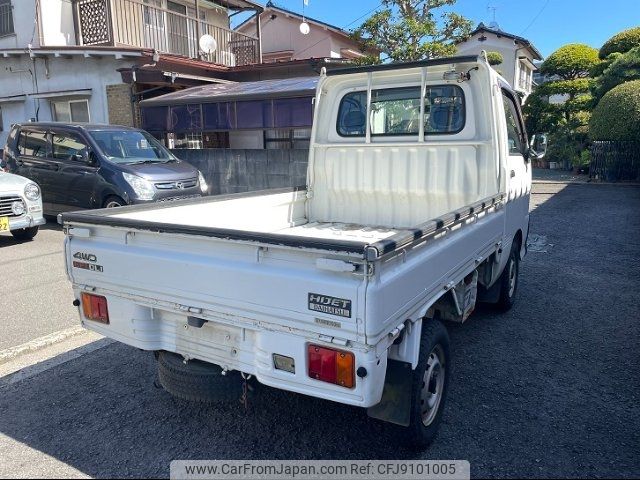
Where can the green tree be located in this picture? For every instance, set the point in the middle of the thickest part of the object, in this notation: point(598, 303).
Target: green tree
point(623, 67)
point(621, 42)
point(571, 61)
point(567, 120)
point(405, 30)
point(617, 115)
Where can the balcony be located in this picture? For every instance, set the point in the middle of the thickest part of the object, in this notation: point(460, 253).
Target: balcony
point(132, 23)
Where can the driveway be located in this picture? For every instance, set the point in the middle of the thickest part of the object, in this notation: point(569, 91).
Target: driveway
point(549, 389)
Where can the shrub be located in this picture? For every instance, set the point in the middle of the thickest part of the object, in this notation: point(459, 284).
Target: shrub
point(621, 42)
point(570, 61)
point(495, 58)
point(582, 160)
point(617, 115)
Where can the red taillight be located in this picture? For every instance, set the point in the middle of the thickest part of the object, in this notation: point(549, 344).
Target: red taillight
point(94, 307)
point(332, 366)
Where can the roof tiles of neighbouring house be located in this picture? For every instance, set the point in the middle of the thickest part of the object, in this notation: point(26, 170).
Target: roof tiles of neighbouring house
point(483, 28)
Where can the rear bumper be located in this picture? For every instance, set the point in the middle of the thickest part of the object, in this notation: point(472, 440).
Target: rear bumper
point(26, 221)
point(246, 349)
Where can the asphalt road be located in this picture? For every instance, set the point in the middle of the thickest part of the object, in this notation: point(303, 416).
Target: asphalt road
point(36, 295)
point(549, 389)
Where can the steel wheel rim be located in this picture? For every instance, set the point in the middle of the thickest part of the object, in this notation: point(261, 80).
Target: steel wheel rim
point(432, 385)
point(113, 204)
point(512, 277)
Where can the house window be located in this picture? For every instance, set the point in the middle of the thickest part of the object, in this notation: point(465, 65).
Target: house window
point(287, 139)
point(71, 111)
point(6, 18)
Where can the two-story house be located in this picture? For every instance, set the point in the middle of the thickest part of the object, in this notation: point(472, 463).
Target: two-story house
point(519, 55)
point(92, 60)
point(282, 39)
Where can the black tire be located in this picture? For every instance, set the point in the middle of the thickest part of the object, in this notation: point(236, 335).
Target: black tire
point(24, 234)
point(197, 381)
point(424, 421)
point(113, 201)
point(508, 291)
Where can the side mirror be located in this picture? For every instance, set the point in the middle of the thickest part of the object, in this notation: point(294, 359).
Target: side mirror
point(538, 146)
point(91, 159)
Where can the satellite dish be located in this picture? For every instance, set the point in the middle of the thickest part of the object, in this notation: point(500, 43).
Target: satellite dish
point(207, 43)
point(304, 28)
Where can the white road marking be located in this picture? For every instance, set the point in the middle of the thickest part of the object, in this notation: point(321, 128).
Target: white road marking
point(38, 343)
point(38, 361)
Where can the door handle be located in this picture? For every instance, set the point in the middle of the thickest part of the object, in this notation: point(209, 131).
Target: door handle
point(512, 174)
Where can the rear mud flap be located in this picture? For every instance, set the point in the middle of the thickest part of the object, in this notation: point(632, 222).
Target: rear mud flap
point(395, 405)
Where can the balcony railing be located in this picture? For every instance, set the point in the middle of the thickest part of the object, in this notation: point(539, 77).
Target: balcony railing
point(135, 24)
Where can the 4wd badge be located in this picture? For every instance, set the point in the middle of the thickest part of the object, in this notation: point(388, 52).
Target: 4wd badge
point(89, 262)
point(330, 305)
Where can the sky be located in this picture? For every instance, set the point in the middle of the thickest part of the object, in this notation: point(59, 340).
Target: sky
point(549, 24)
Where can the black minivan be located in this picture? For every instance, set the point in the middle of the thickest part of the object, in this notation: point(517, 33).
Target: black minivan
point(93, 166)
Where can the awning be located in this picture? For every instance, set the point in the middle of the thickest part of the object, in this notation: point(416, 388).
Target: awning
point(82, 93)
point(284, 103)
point(13, 99)
point(264, 89)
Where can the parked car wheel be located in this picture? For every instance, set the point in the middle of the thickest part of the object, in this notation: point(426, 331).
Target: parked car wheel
point(113, 202)
point(197, 381)
point(24, 234)
point(429, 384)
point(509, 280)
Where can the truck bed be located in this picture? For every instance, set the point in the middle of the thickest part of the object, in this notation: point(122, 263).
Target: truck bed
point(270, 217)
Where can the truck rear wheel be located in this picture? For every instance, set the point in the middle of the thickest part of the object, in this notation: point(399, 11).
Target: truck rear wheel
point(509, 280)
point(197, 381)
point(429, 384)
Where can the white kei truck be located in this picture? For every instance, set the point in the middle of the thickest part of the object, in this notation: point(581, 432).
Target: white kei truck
point(416, 206)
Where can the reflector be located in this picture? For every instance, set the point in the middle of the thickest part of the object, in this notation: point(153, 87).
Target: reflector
point(332, 366)
point(94, 307)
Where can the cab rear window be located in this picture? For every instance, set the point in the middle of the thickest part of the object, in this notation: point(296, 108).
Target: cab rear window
point(396, 111)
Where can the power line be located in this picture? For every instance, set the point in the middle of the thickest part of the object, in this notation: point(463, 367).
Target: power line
point(536, 17)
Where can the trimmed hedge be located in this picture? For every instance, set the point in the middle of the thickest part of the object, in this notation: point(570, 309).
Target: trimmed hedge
point(617, 115)
point(623, 67)
point(621, 42)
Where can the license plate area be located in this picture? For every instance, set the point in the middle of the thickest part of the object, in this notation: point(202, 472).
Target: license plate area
point(4, 224)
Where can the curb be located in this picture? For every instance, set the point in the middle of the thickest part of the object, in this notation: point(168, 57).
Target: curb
point(39, 343)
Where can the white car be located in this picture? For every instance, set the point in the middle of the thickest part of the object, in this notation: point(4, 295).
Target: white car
point(20, 206)
point(416, 206)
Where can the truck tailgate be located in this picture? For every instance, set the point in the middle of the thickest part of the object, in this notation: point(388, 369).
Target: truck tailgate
point(233, 283)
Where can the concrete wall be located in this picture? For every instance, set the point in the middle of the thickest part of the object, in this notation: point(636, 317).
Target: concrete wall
point(63, 74)
point(239, 170)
